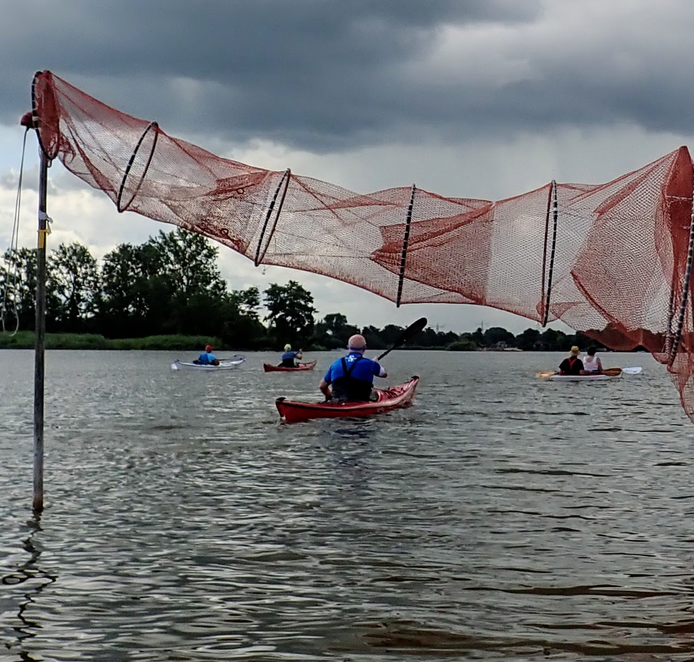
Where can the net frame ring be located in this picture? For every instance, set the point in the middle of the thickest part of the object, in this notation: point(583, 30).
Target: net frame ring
point(50, 143)
point(261, 249)
point(119, 200)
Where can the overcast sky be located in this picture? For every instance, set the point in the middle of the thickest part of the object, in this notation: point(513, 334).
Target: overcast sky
point(466, 98)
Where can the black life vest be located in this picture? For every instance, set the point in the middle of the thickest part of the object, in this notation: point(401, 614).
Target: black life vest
point(350, 389)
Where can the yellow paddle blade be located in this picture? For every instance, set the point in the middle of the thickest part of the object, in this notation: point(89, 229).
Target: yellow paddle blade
point(546, 373)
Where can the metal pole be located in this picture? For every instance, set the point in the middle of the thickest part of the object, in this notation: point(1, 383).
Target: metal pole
point(40, 347)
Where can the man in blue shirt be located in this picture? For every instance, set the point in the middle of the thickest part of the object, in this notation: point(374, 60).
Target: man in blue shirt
point(207, 357)
point(352, 376)
point(289, 358)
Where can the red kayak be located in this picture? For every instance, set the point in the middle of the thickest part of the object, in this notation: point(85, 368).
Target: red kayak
point(279, 368)
point(389, 398)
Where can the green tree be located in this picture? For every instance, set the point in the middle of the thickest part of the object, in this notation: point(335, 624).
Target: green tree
point(187, 281)
point(290, 313)
point(338, 329)
point(188, 261)
point(241, 325)
point(498, 335)
point(124, 303)
point(247, 301)
point(465, 343)
point(241, 330)
point(430, 337)
point(169, 284)
point(18, 286)
point(528, 340)
point(72, 286)
point(373, 338)
point(555, 341)
point(390, 333)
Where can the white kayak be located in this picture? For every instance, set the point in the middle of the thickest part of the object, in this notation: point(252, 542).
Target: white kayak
point(601, 377)
point(608, 373)
point(223, 365)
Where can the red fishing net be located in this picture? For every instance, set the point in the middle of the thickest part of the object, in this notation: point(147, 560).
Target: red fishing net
point(610, 260)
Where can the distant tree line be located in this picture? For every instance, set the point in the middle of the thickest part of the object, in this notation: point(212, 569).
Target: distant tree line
point(171, 285)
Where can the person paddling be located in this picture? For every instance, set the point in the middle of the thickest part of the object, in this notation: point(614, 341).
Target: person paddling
point(572, 365)
point(207, 357)
point(592, 364)
point(290, 359)
point(350, 378)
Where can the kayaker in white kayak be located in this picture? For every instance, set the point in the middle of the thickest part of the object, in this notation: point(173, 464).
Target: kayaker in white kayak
point(350, 378)
point(572, 365)
point(207, 357)
point(290, 359)
point(592, 364)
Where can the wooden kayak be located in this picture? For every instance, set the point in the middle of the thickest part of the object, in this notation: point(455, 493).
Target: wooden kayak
point(223, 365)
point(388, 398)
point(279, 368)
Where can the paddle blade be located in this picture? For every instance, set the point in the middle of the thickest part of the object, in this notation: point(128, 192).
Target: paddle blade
point(632, 371)
point(545, 374)
point(612, 372)
point(410, 332)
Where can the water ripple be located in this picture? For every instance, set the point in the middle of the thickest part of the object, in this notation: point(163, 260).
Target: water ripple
point(500, 517)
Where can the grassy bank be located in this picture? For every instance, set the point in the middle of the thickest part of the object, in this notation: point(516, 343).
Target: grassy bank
point(82, 341)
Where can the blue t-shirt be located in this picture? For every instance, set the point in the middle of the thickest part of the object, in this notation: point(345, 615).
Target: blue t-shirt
point(206, 358)
point(289, 356)
point(364, 370)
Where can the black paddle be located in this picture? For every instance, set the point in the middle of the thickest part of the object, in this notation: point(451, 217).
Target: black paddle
point(408, 333)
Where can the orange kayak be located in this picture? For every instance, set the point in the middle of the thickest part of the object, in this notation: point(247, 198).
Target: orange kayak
point(388, 398)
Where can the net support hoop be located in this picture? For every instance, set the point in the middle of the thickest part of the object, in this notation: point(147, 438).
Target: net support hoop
point(121, 207)
point(555, 215)
point(260, 250)
point(685, 292)
point(35, 118)
point(405, 242)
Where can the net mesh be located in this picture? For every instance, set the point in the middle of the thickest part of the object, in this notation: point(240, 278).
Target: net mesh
point(610, 260)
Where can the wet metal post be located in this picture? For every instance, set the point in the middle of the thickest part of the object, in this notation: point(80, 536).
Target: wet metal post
point(40, 347)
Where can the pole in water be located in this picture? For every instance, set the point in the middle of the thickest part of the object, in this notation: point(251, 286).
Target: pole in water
point(40, 346)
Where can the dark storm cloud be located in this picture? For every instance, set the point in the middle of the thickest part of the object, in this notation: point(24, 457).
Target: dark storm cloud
point(320, 74)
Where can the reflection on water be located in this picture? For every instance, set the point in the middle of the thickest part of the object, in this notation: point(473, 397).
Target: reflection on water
point(32, 580)
point(500, 517)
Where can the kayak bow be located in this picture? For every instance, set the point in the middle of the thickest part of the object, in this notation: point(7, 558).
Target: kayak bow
point(390, 398)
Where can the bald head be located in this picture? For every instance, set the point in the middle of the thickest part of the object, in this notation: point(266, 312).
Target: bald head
point(357, 342)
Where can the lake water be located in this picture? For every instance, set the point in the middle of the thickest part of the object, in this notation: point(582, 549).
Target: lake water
point(500, 517)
